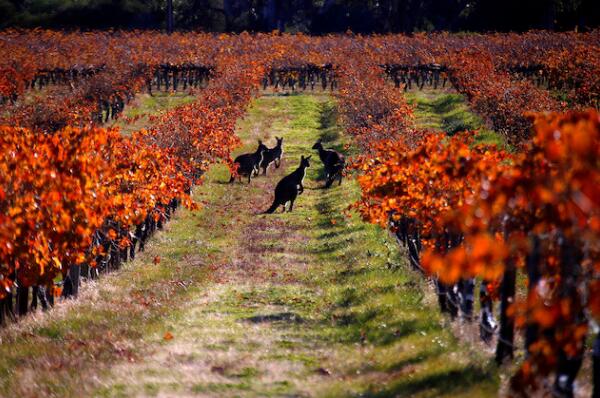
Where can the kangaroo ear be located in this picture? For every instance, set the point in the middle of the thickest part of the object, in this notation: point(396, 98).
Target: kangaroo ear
point(309, 156)
point(301, 157)
point(260, 141)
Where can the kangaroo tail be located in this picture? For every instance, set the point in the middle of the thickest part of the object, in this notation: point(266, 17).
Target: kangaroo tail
point(273, 207)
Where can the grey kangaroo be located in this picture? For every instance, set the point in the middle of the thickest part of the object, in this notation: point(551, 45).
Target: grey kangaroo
point(248, 163)
point(290, 187)
point(333, 162)
point(272, 155)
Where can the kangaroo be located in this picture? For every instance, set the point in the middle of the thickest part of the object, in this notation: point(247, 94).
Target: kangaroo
point(333, 161)
point(290, 187)
point(272, 155)
point(248, 163)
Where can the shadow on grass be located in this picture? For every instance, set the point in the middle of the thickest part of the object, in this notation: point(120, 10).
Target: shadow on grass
point(378, 337)
point(281, 94)
point(355, 324)
point(449, 382)
point(329, 130)
point(453, 113)
point(334, 231)
point(289, 317)
point(401, 365)
point(441, 104)
point(446, 103)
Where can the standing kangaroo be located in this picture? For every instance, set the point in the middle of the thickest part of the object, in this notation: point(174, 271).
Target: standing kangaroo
point(333, 161)
point(289, 187)
point(272, 155)
point(248, 163)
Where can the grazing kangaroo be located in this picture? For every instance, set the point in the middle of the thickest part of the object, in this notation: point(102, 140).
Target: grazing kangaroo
point(333, 161)
point(272, 155)
point(248, 163)
point(289, 187)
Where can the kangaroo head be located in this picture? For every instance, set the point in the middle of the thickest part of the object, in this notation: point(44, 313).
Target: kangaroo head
point(304, 161)
point(261, 147)
point(318, 144)
point(279, 141)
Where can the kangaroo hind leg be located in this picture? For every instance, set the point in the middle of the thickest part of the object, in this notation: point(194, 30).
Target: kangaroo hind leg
point(292, 199)
point(330, 180)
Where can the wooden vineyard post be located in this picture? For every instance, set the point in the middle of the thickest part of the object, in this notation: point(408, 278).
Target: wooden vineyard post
point(71, 283)
point(7, 309)
point(534, 275)
point(74, 274)
point(22, 300)
point(504, 348)
point(487, 324)
point(569, 363)
point(596, 361)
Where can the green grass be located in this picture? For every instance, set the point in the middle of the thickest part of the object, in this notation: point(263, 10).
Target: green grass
point(449, 112)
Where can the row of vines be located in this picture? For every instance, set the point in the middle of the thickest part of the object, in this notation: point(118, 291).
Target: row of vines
point(77, 199)
point(522, 224)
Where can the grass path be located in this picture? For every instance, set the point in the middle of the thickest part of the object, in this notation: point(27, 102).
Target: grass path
point(301, 304)
point(309, 303)
point(447, 110)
